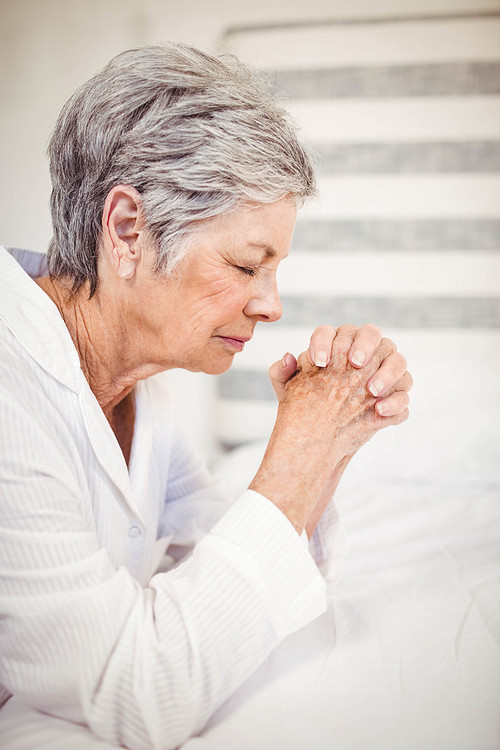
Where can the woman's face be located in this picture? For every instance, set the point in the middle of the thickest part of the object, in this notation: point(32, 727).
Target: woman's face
point(202, 315)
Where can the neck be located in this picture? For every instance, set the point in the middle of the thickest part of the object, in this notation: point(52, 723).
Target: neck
point(109, 359)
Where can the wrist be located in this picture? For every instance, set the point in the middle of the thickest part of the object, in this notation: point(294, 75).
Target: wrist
point(292, 474)
point(325, 495)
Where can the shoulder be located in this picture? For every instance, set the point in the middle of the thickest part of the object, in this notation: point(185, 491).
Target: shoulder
point(16, 366)
point(32, 401)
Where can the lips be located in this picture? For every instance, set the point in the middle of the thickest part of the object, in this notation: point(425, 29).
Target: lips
point(236, 342)
point(243, 339)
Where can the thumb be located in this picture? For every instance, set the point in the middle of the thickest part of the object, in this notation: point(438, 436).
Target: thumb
point(281, 372)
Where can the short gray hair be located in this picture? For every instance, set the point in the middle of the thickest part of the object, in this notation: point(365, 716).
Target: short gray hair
point(194, 134)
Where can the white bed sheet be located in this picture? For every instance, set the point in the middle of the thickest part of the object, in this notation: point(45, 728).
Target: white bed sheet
point(408, 655)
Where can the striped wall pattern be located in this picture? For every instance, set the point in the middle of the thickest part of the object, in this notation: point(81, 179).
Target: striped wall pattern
point(404, 116)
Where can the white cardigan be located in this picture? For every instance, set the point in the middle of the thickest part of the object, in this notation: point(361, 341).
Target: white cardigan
point(88, 631)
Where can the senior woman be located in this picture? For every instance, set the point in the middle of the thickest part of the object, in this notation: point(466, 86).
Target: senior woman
point(176, 180)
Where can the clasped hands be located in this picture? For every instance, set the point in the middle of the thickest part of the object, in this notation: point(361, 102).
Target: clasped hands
point(349, 384)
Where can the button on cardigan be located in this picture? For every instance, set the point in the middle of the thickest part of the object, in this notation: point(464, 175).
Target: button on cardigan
point(89, 631)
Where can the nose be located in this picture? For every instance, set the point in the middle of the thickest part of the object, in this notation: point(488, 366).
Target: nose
point(265, 305)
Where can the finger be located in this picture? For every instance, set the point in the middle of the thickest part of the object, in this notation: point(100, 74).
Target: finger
point(280, 373)
point(343, 340)
point(390, 371)
point(393, 405)
point(395, 420)
point(405, 383)
point(320, 348)
point(304, 363)
point(364, 346)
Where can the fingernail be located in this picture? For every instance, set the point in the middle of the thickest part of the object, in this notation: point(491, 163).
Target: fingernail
point(320, 359)
point(381, 407)
point(283, 360)
point(376, 387)
point(358, 358)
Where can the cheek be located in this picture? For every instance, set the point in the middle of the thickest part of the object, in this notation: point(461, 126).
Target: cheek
point(224, 299)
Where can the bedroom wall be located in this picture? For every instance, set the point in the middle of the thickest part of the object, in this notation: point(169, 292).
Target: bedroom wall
point(48, 48)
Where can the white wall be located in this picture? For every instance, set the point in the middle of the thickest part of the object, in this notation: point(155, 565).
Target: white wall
point(48, 47)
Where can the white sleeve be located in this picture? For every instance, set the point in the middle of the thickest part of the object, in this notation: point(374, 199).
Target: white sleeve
point(195, 500)
point(143, 667)
point(329, 544)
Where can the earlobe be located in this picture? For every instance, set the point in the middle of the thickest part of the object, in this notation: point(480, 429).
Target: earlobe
point(124, 265)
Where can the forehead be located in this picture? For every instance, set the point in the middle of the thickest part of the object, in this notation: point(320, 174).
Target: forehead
point(264, 228)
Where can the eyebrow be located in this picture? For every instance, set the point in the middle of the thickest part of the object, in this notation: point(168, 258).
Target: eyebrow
point(269, 251)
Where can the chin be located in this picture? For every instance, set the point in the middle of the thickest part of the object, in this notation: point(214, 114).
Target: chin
point(217, 367)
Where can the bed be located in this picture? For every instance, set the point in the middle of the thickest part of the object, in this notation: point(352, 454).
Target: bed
point(404, 115)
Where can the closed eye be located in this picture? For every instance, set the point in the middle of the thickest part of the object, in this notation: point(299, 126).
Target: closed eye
point(247, 271)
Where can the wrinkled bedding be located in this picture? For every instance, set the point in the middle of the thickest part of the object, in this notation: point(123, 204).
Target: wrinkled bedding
point(408, 654)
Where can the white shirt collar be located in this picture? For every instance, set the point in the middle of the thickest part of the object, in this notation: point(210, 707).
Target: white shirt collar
point(34, 319)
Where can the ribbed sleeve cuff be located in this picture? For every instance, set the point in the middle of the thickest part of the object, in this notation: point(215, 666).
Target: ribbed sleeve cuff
point(329, 544)
point(278, 553)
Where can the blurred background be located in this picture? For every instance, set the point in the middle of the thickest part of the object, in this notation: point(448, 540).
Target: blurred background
point(401, 101)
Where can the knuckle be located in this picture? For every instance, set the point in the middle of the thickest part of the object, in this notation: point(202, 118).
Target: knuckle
point(323, 331)
point(401, 360)
point(303, 361)
point(387, 347)
point(389, 344)
point(405, 382)
point(347, 329)
point(372, 330)
point(398, 418)
point(344, 338)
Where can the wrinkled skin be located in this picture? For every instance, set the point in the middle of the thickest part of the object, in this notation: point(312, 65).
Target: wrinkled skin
point(325, 415)
point(335, 402)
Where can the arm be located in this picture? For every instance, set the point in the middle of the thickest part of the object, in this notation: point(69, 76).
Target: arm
point(81, 639)
point(326, 495)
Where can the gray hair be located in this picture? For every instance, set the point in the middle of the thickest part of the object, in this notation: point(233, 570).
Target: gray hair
point(194, 134)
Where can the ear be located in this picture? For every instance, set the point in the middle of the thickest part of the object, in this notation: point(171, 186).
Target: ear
point(122, 223)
